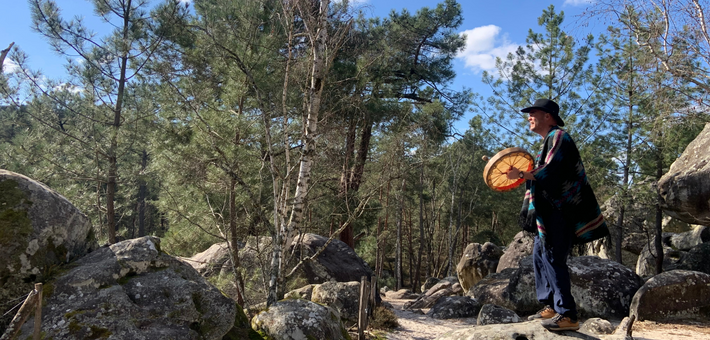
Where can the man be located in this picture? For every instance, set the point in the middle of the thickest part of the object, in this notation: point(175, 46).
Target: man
point(561, 208)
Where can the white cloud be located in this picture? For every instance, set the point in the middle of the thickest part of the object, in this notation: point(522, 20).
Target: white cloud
point(68, 87)
point(578, 2)
point(9, 66)
point(483, 45)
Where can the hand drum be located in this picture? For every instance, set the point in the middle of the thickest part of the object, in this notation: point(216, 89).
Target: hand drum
point(495, 172)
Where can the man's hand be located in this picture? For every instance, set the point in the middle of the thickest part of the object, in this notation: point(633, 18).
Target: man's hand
point(513, 173)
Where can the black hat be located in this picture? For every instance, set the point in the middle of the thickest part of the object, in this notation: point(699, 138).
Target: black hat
point(548, 106)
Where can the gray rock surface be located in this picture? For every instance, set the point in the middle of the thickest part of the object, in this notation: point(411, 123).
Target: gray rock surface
point(476, 262)
point(689, 239)
point(338, 262)
point(685, 187)
point(519, 331)
point(646, 263)
point(344, 297)
point(521, 247)
point(213, 261)
point(304, 292)
point(132, 290)
point(299, 320)
point(596, 326)
point(428, 298)
point(601, 288)
point(428, 283)
point(492, 314)
point(39, 232)
point(696, 259)
point(672, 294)
point(453, 307)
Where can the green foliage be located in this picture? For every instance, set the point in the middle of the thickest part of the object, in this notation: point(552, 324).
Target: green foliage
point(383, 318)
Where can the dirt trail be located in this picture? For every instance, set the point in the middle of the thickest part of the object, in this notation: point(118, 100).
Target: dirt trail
point(414, 326)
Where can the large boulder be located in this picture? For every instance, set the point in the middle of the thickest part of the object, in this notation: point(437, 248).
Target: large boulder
point(697, 259)
point(338, 262)
point(39, 232)
point(132, 290)
point(601, 288)
point(299, 320)
point(646, 263)
point(673, 294)
point(521, 247)
point(445, 287)
point(477, 261)
point(344, 297)
point(689, 239)
point(454, 307)
point(213, 261)
point(685, 187)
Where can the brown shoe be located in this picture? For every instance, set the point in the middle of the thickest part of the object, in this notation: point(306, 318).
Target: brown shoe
point(560, 323)
point(543, 314)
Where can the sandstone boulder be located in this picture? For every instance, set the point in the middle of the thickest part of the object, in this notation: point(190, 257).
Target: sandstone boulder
point(338, 262)
point(673, 294)
point(697, 259)
point(453, 307)
point(304, 292)
point(428, 298)
point(685, 188)
point(521, 247)
point(39, 231)
point(213, 261)
point(689, 239)
point(428, 283)
point(476, 262)
point(601, 288)
point(646, 263)
point(299, 319)
point(343, 297)
point(492, 314)
point(132, 290)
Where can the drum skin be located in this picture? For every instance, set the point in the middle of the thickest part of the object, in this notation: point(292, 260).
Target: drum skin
point(495, 172)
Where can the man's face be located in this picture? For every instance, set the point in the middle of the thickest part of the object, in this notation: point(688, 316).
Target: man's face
point(539, 121)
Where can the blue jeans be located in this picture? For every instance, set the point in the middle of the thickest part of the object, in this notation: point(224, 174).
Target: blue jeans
point(552, 280)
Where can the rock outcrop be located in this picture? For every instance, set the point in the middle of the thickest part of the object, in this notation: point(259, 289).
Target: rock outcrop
point(601, 288)
point(689, 239)
point(685, 188)
point(132, 290)
point(454, 307)
point(521, 247)
point(697, 259)
point(428, 298)
point(343, 297)
point(299, 319)
point(337, 263)
point(492, 314)
point(39, 232)
point(673, 294)
point(477, 261)
point(646, 263)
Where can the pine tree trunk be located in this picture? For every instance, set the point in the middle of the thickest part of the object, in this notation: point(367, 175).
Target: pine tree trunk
point(398, 248)
point(234, 242)
point(418, 275)
point(659, 211)
point(142, 191)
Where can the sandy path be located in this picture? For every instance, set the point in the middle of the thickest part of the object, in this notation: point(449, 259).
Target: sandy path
point(414, 326)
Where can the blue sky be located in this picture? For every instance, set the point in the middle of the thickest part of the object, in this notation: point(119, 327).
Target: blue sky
point(493, 28)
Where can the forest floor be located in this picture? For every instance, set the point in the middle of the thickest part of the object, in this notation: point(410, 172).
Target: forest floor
point(414, 326)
